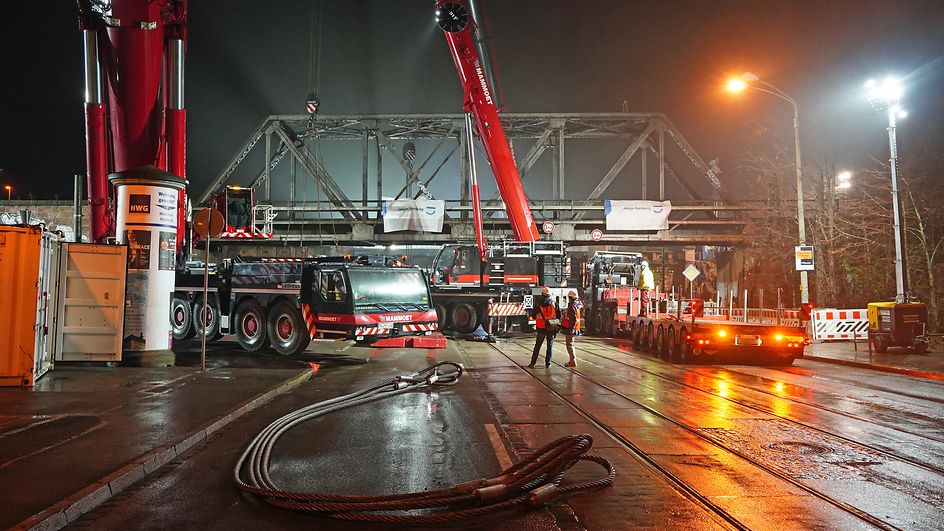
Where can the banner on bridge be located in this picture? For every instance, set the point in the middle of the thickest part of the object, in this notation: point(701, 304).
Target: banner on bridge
point(424, 215)
point(637, 215)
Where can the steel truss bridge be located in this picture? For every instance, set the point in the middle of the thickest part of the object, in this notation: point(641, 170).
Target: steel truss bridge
point(705, 212)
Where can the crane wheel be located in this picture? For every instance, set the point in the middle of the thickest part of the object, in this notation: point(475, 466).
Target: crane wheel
point(286, 329)
point(598, 323)
point(251, 326)
point(443, 315)
point(181, 319)
point(464, 318)
point(207, 321)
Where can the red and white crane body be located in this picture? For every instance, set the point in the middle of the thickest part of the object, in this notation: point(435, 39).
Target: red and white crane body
point(457, 24)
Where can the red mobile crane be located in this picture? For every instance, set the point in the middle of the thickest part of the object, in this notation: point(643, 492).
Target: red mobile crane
point(501, 285)
point(454, 19)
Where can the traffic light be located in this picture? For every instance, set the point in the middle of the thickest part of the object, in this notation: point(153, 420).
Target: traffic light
point(806, 311)
point(698, 308)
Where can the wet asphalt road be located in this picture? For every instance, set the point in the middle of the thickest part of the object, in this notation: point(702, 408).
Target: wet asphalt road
point(808, 446)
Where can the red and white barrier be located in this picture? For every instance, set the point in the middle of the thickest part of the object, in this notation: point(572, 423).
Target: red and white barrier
point(506, 309)
point(839, 325)
point(371, 331)
point(240, 234)
point(421, 327)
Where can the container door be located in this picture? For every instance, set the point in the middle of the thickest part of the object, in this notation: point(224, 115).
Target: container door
point(46, 303)
point(91, 301)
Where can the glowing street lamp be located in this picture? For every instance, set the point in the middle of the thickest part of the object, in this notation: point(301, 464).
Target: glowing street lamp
point(9, 190)
point(748, 80)
point(887, 96)
point(844, 180)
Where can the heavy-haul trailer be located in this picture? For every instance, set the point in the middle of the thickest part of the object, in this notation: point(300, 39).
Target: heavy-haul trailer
point(284, 303)
point(680, 337)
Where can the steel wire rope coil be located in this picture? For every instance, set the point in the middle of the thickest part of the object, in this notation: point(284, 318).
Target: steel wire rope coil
point(532, 482)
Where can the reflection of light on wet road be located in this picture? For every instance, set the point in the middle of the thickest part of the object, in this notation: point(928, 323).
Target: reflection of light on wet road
point(722, 388)
point(431, 406)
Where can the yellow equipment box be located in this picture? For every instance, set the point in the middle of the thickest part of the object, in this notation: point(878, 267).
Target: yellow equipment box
point(893, 324)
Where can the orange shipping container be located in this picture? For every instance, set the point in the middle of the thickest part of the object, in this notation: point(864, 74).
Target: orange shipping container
point(28, 271)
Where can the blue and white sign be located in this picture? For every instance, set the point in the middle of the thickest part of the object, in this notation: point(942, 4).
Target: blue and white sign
point(637, 215)
point(425, 215)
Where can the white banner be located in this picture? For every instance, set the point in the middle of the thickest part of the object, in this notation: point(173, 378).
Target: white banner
point(637, 215)
point(424, 215)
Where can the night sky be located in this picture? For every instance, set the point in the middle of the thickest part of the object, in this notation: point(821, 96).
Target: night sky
point(247, 59)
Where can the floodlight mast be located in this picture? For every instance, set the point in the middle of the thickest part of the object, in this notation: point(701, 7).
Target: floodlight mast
point(457, 23)
point(887, 96)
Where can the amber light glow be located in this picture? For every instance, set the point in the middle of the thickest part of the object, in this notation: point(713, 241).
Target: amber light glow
point(736, 84)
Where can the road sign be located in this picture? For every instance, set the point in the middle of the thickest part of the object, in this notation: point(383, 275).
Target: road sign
point(691, 272)
point(596, 235)
point(209, 222)
point(548, 227)
point(804, 258)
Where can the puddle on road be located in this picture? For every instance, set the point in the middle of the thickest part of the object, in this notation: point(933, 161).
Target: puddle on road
point(796, 451)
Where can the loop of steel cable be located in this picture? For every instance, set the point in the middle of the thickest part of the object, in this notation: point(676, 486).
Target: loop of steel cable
point(534, 481)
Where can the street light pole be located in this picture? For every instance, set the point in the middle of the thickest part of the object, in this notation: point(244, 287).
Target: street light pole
point(801, 217)
point(746, 80)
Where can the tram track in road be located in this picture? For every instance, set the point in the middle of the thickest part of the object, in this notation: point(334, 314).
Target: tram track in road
point(769, 411)
point(686, 489)
point(651, 464)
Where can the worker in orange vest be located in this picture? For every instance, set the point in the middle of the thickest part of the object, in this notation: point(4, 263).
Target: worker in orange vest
point(547, 323)
point(570, 324)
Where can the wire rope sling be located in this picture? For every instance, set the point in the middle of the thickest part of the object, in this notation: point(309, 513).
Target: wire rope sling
point(532, 482)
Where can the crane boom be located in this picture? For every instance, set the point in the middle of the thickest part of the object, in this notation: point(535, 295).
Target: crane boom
point(454, 19)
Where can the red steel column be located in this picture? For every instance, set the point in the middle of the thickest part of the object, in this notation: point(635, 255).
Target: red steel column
point(176, 129)
point(135, 69)
point(96, 152)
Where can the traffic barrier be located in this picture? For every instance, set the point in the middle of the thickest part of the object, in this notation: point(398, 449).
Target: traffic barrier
point(839, 325)
point(506, 309)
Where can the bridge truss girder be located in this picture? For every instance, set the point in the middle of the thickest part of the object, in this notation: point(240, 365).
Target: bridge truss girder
point(717, 220)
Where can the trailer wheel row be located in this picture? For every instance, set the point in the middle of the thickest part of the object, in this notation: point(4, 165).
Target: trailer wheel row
point(666, 343)
point(280, 326)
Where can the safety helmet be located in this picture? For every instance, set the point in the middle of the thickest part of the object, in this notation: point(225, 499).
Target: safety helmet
point(645, 263)
point(544, 291)
point(572, 294)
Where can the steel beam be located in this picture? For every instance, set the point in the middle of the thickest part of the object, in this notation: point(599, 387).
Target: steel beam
point(220, 180)
point(273, 162)
point(317, 171)
point(364, 170)
point(620, 163)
